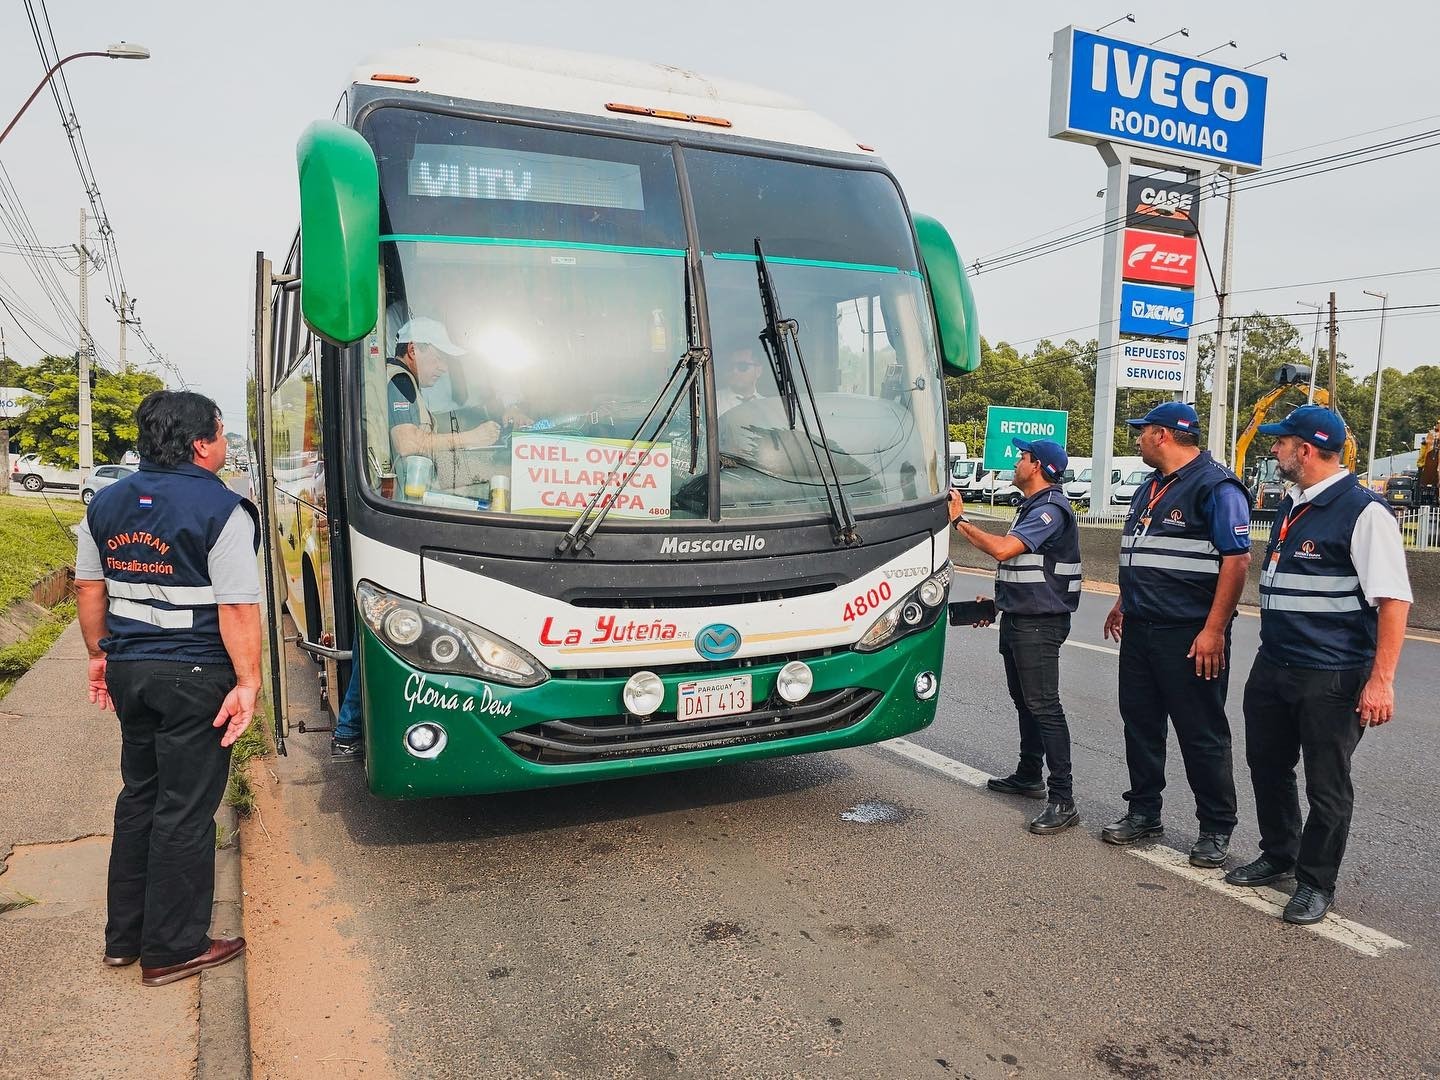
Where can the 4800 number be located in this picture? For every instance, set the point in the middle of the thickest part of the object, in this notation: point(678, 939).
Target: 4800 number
point(867, 601)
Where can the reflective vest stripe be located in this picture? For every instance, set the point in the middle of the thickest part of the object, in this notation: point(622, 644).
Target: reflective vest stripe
point(170, 620)
point(179, 595)
point(1066, 569)
point(1313, 584)
point(1019, 575)
point(1074, 586)
point(1282, 602)
point(1025, 560)
point(1170, 543)
point(1171, 562)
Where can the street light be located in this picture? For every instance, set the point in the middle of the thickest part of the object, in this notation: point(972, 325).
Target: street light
point(122, 51)
point(1384, 299)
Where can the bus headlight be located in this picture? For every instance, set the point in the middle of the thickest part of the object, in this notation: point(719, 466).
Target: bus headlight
point(794, 681)
point(436, 641)
point(425, 740)
point(914, 611)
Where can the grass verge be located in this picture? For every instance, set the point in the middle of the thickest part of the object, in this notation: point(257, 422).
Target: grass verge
point(36, 539)
point(255, 743)
point(21, 657)
point(15, 901)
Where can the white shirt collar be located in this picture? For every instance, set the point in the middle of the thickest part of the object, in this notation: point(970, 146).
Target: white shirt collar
point(1314, 490)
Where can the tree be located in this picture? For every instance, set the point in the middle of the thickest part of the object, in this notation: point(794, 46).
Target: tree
point(50, 427)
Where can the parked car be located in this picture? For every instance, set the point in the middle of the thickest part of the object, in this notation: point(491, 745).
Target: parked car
point(102, 476)
point(1002, 490)
point(1400, 491)
point(29, 472)
point(1125, 490)
point(961, 470)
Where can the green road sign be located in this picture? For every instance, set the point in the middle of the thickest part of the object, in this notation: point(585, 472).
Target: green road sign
point(1004, 424)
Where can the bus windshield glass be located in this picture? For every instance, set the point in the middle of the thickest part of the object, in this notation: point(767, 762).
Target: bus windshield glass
point(533, 310)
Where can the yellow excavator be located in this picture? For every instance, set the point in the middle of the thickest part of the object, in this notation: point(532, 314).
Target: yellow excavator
point(1266, 488)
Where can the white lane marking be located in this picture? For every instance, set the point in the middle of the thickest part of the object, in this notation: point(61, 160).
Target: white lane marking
point(1352, 935)
point(956, 770)
point(1093, 648)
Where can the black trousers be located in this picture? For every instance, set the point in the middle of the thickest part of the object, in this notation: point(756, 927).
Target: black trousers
point(1290, 712)
point(1030, 647)
point(1158, 682)
point(162, 859)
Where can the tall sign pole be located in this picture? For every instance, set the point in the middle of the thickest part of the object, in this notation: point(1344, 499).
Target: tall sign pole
point(1143, 106)
point(1220, 377)
point(87, 437)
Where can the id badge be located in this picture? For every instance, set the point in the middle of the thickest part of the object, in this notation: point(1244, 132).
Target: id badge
point(1145, 522)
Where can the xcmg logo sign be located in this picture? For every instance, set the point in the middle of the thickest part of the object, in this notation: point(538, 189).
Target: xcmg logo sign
point(1108, 90)
point(1159, 258)
point(1153, 311)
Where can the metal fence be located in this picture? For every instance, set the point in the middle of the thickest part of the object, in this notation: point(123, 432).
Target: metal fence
point(1419, 525)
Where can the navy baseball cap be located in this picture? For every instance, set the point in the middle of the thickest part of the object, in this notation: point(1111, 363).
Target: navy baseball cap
point(1314, 423)
point(1050, 455)
point(1175, 415)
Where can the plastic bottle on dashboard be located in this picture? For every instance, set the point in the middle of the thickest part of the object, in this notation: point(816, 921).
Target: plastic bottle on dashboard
point(659, 339)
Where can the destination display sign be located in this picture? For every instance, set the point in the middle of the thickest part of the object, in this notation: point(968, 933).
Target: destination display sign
point(1158, 258)
point(558, 475)
point(1109, 90)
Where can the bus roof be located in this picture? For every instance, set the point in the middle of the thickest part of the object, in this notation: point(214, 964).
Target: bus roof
point(583, 83)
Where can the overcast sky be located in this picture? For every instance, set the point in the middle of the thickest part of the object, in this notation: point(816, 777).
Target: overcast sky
point(194, 149)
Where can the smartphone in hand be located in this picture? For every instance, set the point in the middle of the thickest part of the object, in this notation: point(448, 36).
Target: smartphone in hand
point(970, 612)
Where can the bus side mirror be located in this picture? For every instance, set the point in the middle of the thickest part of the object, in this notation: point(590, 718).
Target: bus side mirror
point(956, 322)
point(339, 232)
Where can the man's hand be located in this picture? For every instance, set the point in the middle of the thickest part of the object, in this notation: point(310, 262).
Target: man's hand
point(236, 712)
point(1208, 652)
point(486, 434)
point(957, 505)
point(1377, 702)
point(1114, 622)
point(99, 690)
point(982, 622)
point(517, 417)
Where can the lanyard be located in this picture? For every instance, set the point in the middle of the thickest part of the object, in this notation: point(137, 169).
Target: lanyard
point(1149, 506)
point(1291, 518)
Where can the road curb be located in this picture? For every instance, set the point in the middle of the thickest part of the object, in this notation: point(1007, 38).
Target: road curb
point(224, 1043)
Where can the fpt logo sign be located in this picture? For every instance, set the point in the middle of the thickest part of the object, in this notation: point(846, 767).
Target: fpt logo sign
point(1108, 90)
point(1154, 311)
point(1158, 258)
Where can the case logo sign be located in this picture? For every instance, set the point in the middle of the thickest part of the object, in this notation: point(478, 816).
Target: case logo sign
point(1108, 90)
point(1163, 204)
point(1152, 365)
point(1154, 311)
point(717, 641)
point(1159, 258)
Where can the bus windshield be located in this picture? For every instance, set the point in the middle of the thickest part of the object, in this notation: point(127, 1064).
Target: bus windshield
point(549, 267)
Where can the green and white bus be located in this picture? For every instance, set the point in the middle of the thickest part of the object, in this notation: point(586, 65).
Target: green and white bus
point(683, 500)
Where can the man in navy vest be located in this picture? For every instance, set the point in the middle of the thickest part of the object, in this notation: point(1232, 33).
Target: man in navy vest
point(1334, 597)
point(1183, 557)
point(1037, 586)
point(168, 593)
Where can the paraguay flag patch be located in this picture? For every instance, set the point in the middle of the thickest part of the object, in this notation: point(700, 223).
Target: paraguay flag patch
point(1045, 517)
point(146, 502)
point(1243, 529)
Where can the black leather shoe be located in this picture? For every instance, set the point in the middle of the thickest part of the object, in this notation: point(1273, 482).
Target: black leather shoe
point(1056, 816)
point(1014, 785)
point(347, 749)
point(1210, 850)
point(1307, 906)
point(1130, 828)
point(1262, 871)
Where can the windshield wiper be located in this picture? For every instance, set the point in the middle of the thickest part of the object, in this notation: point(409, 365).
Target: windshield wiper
point(687, 370)
point(773, 338)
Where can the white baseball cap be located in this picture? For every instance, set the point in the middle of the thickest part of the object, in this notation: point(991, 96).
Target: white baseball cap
point(423, 331)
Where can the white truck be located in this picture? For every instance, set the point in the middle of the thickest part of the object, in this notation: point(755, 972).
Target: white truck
point(29, 472)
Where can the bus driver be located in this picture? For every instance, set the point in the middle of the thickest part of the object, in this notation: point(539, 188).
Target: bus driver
point(422, 352)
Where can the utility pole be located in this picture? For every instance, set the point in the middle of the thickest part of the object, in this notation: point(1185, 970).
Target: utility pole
point(87, 440)
point(124, 309)
point(1219, 378)
point(1334, 329)
point(1384, 299)
point(1314, 346)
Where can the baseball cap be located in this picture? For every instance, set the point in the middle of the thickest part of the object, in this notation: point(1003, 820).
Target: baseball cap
point(1175, 415)
point(1050, 455)
point(1314, 423)
point(423, 331)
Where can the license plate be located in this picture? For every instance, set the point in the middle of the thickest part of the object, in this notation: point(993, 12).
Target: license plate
point(714, 697)
point(1397, 496)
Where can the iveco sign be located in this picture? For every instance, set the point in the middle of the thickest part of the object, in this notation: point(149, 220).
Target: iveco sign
point(1108, 90)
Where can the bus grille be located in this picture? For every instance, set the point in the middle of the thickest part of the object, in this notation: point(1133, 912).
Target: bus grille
point(596, 738)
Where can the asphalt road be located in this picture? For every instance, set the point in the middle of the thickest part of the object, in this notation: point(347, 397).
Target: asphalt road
point(849, 914)
point(1388, 879)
